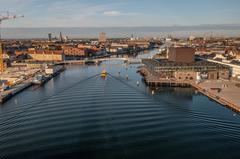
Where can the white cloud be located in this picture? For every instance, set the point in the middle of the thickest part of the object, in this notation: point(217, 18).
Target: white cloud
point(113, 13)
point(45, 13)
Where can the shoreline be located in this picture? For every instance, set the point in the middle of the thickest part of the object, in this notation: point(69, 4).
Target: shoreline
point(227, 99)
point(8, 94)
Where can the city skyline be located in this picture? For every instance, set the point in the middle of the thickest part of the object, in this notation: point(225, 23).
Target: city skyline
point(125, 13)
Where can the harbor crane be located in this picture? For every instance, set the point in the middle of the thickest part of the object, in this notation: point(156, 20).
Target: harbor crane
point(5, 16)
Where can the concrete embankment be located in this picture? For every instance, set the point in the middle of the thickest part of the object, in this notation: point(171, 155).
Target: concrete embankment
point(222, 91)
point(6, 95)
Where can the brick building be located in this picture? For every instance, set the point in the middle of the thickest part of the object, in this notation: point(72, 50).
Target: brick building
point(46, 55)
point(74, 51)
point(191, 72)
point(42, 55)
point(181, 54)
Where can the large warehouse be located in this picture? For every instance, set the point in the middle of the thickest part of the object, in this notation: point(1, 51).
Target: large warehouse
point(182, 66)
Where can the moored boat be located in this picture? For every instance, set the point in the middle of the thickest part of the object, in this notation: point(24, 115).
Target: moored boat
point(40, 79)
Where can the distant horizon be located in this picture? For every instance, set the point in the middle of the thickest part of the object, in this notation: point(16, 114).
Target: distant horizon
point(121, 32)
point(138, 26)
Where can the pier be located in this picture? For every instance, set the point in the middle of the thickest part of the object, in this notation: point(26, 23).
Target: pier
point(6, 95)
point(222, 91)
point(14, 90)
point(227, 96)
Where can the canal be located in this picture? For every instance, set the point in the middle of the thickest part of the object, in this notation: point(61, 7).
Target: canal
point(79, 114)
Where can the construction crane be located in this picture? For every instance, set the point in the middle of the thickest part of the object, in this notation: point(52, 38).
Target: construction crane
point(6, 16)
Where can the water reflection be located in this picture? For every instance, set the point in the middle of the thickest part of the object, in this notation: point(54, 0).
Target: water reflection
point(115, 118)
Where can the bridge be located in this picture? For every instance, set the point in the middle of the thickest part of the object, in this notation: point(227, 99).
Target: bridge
point(129, 60)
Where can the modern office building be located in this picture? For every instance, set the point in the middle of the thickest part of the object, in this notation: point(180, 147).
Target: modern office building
point(50, 37)
point(102, 37)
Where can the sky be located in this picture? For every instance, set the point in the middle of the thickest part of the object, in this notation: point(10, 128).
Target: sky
point(120, 13)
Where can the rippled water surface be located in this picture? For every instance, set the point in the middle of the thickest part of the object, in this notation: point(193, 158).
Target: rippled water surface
point(80, 115)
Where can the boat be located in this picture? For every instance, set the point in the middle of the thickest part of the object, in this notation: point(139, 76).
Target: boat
point(54, 70)
point(90, 62)
point(40, 79)
point(103, 73)
point(4, 87)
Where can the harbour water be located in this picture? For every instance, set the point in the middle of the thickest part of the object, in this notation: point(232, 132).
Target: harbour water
point(79, 114)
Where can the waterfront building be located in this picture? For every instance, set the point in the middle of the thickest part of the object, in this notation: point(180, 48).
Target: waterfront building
point(46, 55)
point(119, 45)
point(143, 44)
point(74, 51)
point(118, 48)
point(181, 66)
point(234, 69)
point(165, 69)
point(181, 54)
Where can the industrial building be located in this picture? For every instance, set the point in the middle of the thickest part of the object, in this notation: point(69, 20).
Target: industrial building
point(181, 66)
point(181, 54)
point(165, 69)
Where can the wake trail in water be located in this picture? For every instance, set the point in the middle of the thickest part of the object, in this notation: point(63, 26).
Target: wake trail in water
point(34, 103)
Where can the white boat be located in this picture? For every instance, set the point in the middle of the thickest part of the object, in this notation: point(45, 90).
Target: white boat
point(40, 79)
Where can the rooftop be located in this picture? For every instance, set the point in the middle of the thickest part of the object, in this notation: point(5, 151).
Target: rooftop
point(197, 65)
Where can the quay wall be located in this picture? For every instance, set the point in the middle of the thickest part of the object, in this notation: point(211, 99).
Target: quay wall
point(154, 81)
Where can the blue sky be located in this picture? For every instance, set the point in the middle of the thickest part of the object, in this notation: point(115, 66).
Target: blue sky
point(102, 13)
